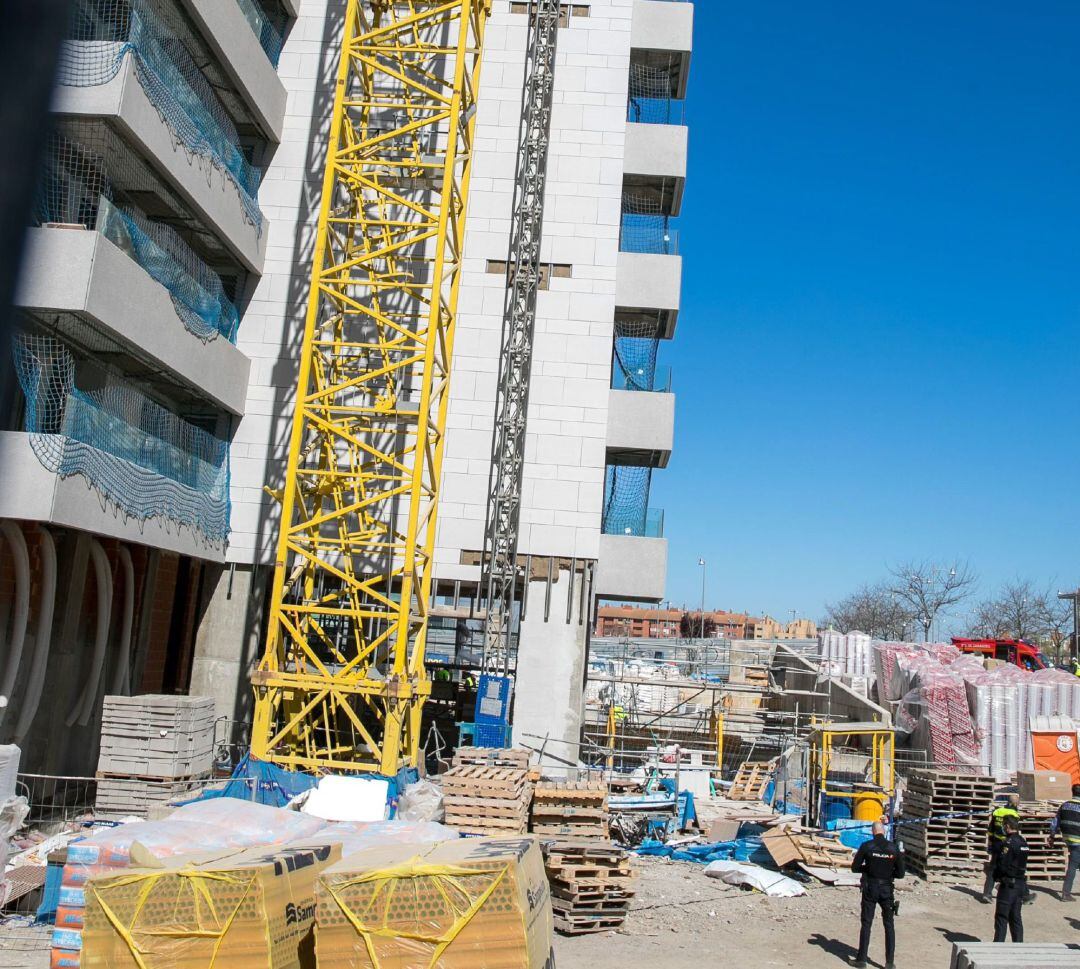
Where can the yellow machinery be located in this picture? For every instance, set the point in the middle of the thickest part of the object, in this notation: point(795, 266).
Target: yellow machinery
point(341, 682)
point(851, 771)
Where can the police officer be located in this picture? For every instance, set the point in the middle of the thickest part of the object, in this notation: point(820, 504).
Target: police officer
point(880, 862)
point(1010, 872)
point(995, 838)
point(1067, 824)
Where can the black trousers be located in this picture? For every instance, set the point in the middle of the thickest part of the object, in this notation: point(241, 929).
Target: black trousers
point(1009, 912)
point(875, 895)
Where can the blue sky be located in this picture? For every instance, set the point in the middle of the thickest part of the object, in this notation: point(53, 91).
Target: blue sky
point(877, 356)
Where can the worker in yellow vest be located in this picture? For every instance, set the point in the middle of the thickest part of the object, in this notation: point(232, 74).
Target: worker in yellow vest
point(995, 840)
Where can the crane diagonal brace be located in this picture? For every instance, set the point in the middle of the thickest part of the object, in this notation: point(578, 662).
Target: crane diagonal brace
point(519, 325)
point(341, 681)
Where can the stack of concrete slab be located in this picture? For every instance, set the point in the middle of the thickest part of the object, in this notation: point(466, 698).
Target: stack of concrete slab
point(154, 748)
point(1027, 955)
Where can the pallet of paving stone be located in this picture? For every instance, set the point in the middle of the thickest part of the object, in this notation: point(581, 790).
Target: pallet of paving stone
point(591, 886)
point(491, 757)
point(750, 780)
point(156, 736)
point(138, 796)
point(487, 800)
point(1025, 955)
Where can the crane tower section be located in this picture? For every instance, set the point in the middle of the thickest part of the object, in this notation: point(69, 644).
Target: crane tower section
point(519, 325)
point(341, 681)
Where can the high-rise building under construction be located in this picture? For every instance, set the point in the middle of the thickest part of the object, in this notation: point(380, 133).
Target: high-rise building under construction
point(162, 304)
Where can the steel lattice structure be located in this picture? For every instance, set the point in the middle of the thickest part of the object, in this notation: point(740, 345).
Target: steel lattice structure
point(519, 324)
point(341, 682)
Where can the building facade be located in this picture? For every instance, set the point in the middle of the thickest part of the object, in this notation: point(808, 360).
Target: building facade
point(164, 292)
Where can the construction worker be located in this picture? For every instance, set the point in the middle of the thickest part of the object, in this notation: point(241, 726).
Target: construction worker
point(880, 862)
point(1010, 872)
point(995, 838)
point(1067, 824)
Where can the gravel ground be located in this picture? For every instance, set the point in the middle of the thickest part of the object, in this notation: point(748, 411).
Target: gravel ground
point(680, 918)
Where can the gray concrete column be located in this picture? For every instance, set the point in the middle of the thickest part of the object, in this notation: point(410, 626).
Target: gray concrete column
point(549, 692)
point(228, 641)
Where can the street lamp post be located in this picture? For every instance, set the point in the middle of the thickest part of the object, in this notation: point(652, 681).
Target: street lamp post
point(701, 562)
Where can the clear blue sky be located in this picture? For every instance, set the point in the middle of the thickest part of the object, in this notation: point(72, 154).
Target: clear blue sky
point(877, 357)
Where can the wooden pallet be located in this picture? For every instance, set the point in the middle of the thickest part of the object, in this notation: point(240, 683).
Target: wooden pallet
point(750, 781)
point(571, 791)
point(491, 757)
point(590, 885)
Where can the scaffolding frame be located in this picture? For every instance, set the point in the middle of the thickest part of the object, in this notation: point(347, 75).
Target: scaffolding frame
point(341, 682)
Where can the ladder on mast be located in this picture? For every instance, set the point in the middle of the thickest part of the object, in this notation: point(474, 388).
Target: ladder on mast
point(519, 325)
point(341, 681)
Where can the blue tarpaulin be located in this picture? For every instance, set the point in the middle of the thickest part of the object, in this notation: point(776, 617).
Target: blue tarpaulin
point(741, 849)
point(265, 783)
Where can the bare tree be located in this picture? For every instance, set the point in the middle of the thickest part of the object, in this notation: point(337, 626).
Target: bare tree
point(693, 626)
point(1021, 611)
point(926, 589)
point(872, 609)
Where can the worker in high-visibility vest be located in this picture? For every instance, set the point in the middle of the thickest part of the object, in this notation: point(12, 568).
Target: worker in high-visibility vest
point(995, 839)
point(1067, 824)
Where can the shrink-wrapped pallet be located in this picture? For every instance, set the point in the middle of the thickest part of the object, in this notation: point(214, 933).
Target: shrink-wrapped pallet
point(458, 905)
point(240, 909)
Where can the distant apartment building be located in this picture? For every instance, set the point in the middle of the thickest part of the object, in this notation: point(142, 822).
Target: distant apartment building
point(637, 622)
point(768, 628)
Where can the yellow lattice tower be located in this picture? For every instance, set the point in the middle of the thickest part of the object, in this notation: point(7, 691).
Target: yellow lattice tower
point(341, 682)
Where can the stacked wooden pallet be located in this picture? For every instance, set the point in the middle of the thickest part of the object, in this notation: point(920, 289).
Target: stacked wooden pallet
point(487, 800)
point(491, 757)
point(154, 748)
point(750, 781)
point(591, 886)
point(1045, 864)
point(571, 809)
point(944, 822)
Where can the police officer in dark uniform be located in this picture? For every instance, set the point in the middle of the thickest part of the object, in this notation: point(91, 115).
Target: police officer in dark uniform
point(1010, 872)
point(1067, 824)
point(880, 862)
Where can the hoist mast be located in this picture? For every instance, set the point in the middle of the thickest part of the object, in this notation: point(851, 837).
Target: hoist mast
point(519, 325)
point(341, 681)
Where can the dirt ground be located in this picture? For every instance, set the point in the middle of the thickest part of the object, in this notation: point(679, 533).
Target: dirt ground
point(680, 918)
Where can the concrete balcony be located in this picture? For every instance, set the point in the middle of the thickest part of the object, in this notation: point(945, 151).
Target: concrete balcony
point(650, 284)
point(641, 428)
point(31, 492)
point(664, 26)
point(122, 103)
point(656, 157)
point(81, 272)
point(632, 568)
point(230, 36)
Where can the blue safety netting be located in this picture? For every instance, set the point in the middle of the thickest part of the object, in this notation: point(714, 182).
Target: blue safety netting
point(269, 34)
point(644, 226)
point(104, 32)
point(626, 500)
point(145, 459)
point(651, 95)
point(637, 341)
point(196, 291)
point(75, 188)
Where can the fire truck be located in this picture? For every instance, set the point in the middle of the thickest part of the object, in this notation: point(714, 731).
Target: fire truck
point(1018, 652)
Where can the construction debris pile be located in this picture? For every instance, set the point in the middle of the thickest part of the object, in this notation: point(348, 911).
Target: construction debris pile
point(153, 749)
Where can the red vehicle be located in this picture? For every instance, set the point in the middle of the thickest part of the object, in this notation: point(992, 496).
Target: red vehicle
point(1016, 651)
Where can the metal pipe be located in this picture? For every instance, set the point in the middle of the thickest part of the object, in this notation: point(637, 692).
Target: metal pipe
point(21, 557)
point(84, 706)
point(121, 682)
point(43, 638)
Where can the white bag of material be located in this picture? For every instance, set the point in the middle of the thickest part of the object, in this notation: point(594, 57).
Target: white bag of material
point(9, 768)
point(248, 822)
point(339, 798)
point(422, 801)
point(356, 836)
point(770, 882)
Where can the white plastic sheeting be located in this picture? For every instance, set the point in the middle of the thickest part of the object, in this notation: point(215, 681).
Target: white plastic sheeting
point(845, 653)
point(753, 876)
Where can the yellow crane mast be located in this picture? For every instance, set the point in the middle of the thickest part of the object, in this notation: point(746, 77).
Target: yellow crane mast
point(341, 681)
